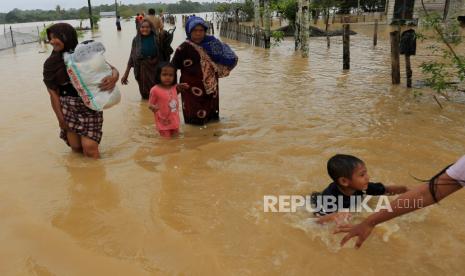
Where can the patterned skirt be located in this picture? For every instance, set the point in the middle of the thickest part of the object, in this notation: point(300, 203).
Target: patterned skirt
point(80, 119)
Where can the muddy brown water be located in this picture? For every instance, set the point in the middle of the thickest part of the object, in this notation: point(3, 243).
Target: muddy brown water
point(194, 205)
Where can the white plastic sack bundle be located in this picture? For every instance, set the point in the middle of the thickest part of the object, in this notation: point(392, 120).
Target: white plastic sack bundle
point(86, 68)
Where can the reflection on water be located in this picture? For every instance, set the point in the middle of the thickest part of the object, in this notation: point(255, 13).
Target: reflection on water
point(193, 205)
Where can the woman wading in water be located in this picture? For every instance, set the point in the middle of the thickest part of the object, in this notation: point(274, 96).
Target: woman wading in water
point(81, 127)
point(202, 59)
point(144, 58)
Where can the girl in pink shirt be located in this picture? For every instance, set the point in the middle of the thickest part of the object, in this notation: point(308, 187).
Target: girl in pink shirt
point(164, 102)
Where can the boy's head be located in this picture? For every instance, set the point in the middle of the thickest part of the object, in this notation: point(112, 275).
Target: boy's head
point(151, 12)
point(348, 171)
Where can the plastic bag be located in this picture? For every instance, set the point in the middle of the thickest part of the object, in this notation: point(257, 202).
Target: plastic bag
point(86, 68)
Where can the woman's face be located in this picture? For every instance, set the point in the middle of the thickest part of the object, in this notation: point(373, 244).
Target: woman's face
point(57, 44)
point(145, 28)
point(198, 34)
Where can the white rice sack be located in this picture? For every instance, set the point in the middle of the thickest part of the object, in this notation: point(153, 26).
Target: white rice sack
point(87, 68)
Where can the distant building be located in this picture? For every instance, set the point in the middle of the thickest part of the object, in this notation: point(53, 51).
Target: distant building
point(108, 14)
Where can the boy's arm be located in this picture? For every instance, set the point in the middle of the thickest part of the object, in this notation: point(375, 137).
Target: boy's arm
point(395, 190)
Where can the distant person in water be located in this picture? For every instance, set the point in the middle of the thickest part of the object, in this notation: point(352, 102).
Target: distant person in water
point(202, 59)
point(144, 58)
point(156, 22)
point(118, 23)
point(81, 127)
point(139, 19)
point(164, 100)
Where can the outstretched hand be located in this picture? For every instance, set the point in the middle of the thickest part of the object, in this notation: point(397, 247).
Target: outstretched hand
point(361, 231)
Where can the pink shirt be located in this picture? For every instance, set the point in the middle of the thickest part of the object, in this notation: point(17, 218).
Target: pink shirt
point(167, 117)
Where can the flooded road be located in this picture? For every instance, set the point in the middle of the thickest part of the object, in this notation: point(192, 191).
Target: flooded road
point(194, 205)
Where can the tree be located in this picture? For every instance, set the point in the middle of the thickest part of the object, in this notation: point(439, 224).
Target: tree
point(90, 15)
point(267, 23)
point(449, 72)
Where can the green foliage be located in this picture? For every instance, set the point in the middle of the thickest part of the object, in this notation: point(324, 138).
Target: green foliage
point(277, 37)
point(245, 9)
point(95, 20)
point(444, 75)
point(43, 33)
point(287, 8)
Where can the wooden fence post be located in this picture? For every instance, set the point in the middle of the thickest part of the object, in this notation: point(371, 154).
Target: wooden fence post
point(346, 47)
point(395, 56)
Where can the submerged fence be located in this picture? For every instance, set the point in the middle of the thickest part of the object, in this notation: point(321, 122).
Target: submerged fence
point(247, 34)
point(12, 36)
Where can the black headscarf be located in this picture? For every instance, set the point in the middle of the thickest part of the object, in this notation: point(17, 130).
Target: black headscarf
point(54, 67)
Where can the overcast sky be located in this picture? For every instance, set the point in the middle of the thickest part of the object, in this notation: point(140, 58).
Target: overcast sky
point(8, 5)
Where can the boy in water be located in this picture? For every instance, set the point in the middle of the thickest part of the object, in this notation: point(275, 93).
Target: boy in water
point(351, 180)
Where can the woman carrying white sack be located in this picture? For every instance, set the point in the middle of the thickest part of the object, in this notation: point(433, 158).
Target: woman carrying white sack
point(81, 126)
point(86, 67)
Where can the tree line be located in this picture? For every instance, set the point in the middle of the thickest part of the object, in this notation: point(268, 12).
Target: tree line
point(126, 11)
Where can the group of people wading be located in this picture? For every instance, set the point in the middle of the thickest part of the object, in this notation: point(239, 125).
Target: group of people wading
point(201, 59)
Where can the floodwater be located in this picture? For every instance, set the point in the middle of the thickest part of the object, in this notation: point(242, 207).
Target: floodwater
point(194, 205)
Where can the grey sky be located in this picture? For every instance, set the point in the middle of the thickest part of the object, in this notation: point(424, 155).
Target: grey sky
point(8, 5)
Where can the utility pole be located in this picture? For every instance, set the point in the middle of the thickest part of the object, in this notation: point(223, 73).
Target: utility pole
point(90, 15)
point(116, 7)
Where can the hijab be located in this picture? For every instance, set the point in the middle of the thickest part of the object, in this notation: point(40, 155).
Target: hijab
point(219, 52)
point(54, 67)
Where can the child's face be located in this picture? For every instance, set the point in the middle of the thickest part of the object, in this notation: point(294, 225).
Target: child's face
point(359, 180)
point(167, 76)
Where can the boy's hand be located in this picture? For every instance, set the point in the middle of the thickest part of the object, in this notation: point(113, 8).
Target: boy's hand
point(154, 107)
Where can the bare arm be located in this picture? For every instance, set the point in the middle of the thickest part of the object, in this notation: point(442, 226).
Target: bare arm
point(56, 106)
point(124, 78)
point(109, 83)
point(395, 190)
point(445, 186)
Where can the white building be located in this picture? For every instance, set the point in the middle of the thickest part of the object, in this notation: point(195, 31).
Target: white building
point(107, 14)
